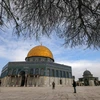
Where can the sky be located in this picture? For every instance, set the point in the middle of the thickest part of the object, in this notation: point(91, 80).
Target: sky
point(13, 48)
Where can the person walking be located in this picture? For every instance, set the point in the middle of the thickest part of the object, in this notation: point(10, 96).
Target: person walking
point(0, 82)
point(53, 85)
point(74, 85)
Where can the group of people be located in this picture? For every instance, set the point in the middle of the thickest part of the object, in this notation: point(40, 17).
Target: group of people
point(74, 85)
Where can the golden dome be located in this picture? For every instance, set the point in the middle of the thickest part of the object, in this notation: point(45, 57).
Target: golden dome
point(40, 51)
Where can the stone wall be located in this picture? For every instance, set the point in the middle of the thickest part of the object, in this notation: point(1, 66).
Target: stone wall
point(36, 81)
point(58, 81)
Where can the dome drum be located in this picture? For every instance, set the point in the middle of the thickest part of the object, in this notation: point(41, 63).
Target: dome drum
point(39, 59)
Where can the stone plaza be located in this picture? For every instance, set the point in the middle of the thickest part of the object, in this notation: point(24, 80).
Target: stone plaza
point(47, 93)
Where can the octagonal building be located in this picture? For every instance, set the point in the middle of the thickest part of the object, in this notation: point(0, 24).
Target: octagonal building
point(38, 69)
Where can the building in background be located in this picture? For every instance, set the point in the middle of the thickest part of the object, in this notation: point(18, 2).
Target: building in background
point(88, 79)
point(38, 69)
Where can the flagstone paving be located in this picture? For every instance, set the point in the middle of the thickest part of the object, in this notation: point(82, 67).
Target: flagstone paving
point(46, 93)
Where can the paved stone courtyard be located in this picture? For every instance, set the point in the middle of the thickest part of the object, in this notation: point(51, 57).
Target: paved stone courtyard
point(46, 93)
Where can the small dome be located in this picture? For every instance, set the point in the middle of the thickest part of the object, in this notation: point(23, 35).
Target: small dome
point(87, 72)
point(40, 51)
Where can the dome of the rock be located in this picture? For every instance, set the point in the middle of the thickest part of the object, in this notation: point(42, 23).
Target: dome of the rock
point(40, 51)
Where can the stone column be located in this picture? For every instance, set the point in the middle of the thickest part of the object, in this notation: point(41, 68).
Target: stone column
point(37, 79)
point(15, 79)
point(16, 83)
point(54, 75)
point(34, 82)
point(91, 82)
point(49, 77)
point(9, 81)
point(50, 82)
point(6, 81)
point(28, 81)
point(18, 80)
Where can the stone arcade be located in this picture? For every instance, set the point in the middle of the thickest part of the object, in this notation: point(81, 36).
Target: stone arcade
point(38, 69)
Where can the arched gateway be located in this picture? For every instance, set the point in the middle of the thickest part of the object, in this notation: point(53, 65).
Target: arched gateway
point(23, 79)
point(38, 69)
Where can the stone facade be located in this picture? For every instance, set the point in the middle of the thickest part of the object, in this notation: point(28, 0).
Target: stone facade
point(35, 82)
point(37, 74)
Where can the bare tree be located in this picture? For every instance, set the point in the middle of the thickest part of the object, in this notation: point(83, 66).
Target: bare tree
point(76, 21)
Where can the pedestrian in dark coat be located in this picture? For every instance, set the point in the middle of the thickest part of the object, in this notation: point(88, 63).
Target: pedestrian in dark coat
point(74, 85)
point(53, 85)
point(0, 82)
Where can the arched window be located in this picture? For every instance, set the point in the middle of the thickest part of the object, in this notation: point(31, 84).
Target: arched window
point(39, 59)
point(48, 72)
point(14, 72)
point(36, 59)
point(60, 73)
point(36, 71)
point(42, 71)
point(45, 59)
point(57, 75)
point(31, 71)
point(53, 73)
point(70, 75)
point(33, 59)
point(27, 59)
point(64, 74)
point(67, 75)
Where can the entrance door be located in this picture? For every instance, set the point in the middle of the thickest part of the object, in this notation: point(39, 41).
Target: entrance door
point(86, 82)
point(22, 73)
point(60, 82)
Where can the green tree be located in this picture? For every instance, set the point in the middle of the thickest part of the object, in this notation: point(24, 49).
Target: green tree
point(76, 21)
